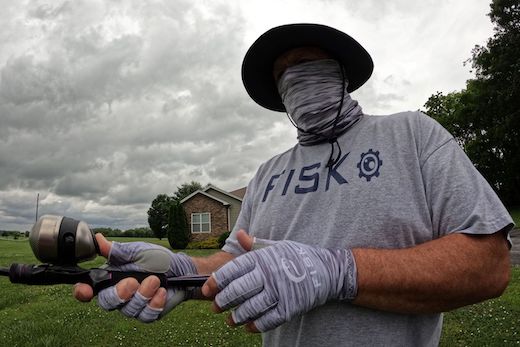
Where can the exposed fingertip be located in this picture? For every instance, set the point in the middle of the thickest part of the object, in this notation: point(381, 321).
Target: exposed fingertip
point(149, 286)
point(251, 328)
point(162, 292)
point(126, 288)
point(215, 308)
point(159, 299)
point(155, 282)
point(230, 321)
point(131, 284)
point(82, 292)
point(209, 289)
point(205, 290)
point(130, 281)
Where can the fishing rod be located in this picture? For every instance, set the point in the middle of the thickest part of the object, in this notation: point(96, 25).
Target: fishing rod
point(60, 243)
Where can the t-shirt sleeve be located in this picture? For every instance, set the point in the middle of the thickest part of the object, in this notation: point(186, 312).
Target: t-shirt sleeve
point(459, 198)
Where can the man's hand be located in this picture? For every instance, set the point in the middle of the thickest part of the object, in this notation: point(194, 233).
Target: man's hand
point(271, 285)
point(146, 301)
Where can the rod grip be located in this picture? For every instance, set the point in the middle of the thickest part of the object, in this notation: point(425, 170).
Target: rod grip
point(101, 279)
point(98, 279)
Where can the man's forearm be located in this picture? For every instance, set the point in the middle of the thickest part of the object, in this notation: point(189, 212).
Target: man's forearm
point(207, 265)
point(436, 276)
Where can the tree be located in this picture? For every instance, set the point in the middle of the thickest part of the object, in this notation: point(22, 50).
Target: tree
point(178, 231)
point(158, 215)
point(485, 117)
point(186, 189)
point(159, 211)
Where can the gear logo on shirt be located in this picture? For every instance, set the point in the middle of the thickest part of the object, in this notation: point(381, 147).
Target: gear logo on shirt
point(369, 164)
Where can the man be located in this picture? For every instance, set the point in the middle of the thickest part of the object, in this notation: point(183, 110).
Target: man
point(366, 230)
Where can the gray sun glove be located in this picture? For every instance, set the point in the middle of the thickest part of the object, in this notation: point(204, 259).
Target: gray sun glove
point(273, 284)
point(145, 257)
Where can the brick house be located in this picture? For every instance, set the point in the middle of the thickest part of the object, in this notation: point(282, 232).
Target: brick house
point(212, 211)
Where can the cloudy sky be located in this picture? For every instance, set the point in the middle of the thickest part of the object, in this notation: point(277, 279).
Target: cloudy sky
point(105, 104)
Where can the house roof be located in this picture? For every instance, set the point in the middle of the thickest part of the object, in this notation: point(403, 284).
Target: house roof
point(239, 192)
point(225, 203)
point(231, 195)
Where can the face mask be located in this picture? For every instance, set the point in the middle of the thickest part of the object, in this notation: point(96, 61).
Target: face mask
point(312, 93)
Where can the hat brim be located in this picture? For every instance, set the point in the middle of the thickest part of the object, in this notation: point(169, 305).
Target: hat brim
point(257, 67)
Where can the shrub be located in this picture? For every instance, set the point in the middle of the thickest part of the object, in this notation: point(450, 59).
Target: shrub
point(178, 231)
point(209, 243)
point(222, 239)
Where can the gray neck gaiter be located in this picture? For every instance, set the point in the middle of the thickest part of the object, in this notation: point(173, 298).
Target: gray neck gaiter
point(311, 93)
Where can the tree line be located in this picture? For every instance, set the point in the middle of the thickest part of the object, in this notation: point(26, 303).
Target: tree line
point(136, 232)
point(484, 117)
point(14, 234)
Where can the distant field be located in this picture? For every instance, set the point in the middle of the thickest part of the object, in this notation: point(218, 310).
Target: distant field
point(49, 316)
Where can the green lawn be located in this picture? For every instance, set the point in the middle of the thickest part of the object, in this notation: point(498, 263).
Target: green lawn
point(492, 323)
point(515, 213)
point(49, 316)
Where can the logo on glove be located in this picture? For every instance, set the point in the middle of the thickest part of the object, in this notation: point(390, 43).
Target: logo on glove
point(292, 271)
point(287, 265)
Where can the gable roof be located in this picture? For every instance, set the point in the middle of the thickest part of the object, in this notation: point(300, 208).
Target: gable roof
point(240, 192)
point(205, 194)
point(209, 186)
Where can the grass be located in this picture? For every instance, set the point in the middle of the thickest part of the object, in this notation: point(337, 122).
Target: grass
point(49, 316)
point(491, 323)
point(515, 213)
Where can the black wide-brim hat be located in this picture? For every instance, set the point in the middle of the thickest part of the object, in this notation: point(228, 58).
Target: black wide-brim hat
point(257, 67)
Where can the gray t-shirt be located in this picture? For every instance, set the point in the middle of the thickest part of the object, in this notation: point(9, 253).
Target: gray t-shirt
point(402, 180)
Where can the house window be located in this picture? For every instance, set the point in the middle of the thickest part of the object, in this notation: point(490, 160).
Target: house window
point(201, 222)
